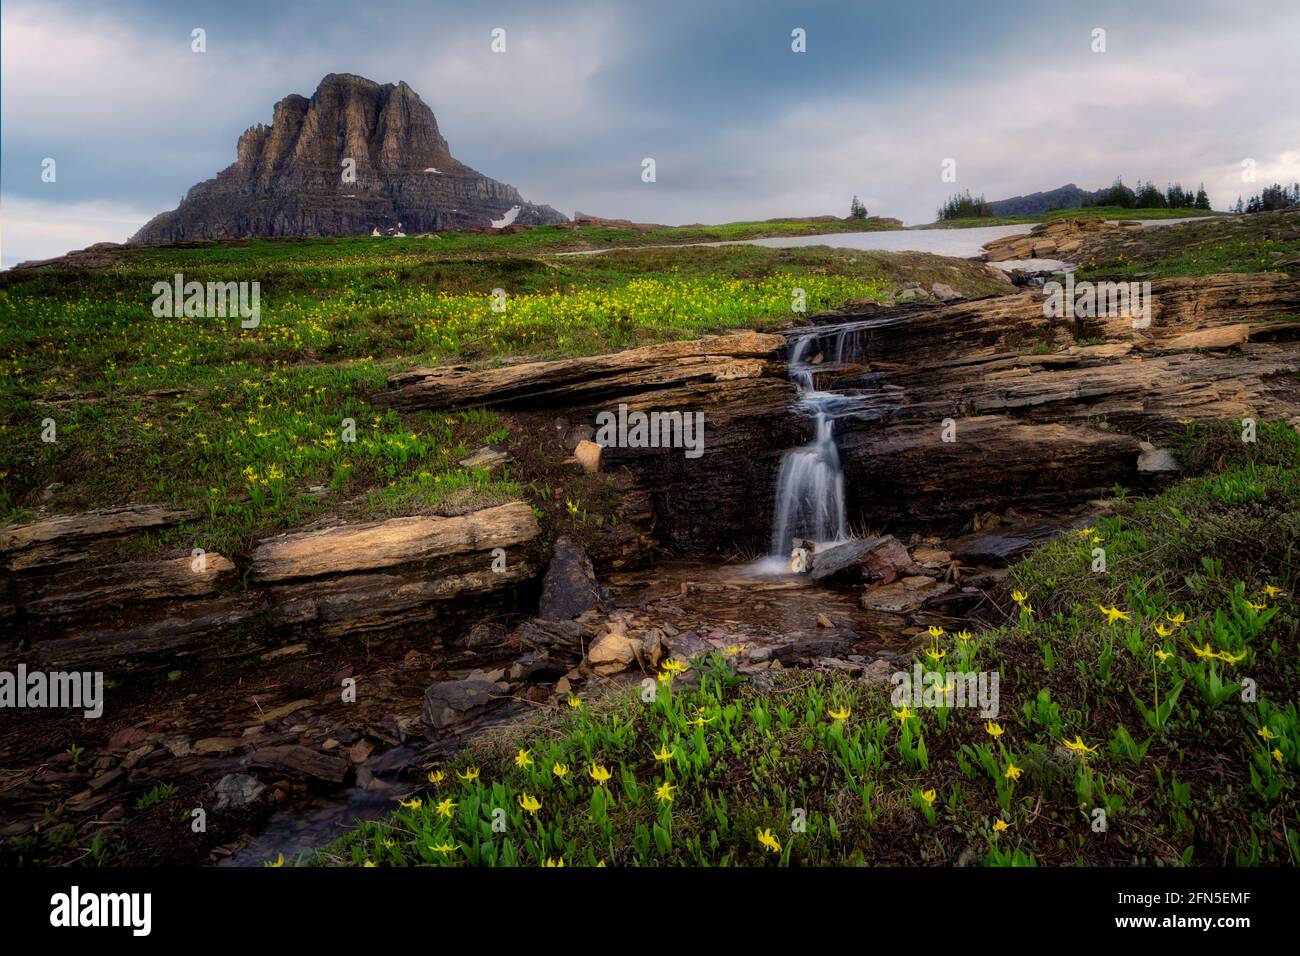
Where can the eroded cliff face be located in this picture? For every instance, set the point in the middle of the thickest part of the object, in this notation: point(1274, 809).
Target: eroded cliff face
point(288, 179)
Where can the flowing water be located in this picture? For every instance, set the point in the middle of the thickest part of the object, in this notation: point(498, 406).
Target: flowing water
point(810, 483)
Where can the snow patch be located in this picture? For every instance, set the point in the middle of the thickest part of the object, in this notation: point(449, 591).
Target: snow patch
point(508, 218)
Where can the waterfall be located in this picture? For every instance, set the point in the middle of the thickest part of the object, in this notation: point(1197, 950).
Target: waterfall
point(810, 484)
point(810, 488)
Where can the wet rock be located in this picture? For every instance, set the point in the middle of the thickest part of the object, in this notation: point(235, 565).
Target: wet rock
point(570, 586)
point(905, 596)
point(567, 637)
point(843, 559)
point(300, 761)
point(801, 652)
point(238, 791)
point(1001, 547)
point(931, 557)
point(448, 703)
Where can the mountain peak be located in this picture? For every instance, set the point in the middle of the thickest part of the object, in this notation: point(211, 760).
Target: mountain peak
point(354, 157)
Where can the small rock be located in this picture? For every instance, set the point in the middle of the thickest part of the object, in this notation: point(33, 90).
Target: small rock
point(886, 562)
point(944, 292)
point(903, 597)
point(237, 791)
point(488, 458)
point(126, 739)
point(588, 454)
point(824, 621)
point(301, 761)
point(217, 745)
point(611, 653)
point(577, 435)
point(878, 672)
point(1156, 461)
point(458, 701)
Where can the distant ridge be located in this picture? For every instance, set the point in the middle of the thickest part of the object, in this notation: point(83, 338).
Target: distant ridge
point(1068, 196)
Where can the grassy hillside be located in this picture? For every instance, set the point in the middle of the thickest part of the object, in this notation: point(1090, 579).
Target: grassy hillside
point(1122, 736)
point(1268, 241)
point(244, 425)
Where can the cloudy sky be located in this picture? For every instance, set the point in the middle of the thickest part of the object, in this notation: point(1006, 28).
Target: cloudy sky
point(740, 126)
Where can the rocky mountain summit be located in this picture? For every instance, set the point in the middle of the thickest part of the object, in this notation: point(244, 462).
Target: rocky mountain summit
point(294, 178)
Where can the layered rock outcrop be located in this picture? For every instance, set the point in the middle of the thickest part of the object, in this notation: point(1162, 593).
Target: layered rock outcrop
point(70, 601)
point(1053, 240)
point(294, 178)
point(1038, 420)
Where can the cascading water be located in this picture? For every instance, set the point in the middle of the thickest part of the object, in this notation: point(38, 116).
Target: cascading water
point(810, 485)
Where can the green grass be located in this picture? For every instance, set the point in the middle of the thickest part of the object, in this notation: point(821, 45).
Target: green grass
point(534, 241)
point(1183, 770)
point(244, 426)
point(1255, 243)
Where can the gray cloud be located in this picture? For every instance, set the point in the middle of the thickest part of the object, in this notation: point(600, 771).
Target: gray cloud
point(740, 127)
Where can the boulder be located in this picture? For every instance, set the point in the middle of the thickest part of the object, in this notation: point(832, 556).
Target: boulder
point(887, 561)
point(570, 585)
point(843, 559)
